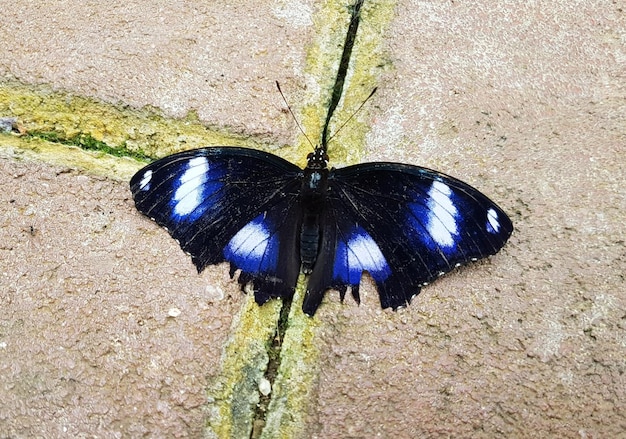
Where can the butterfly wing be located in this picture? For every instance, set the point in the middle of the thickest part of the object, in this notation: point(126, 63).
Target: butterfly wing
point(229, 204)
point(403, 224)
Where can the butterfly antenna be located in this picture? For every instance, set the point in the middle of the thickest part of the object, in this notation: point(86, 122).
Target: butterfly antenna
point(293, 115)
point(343, 68)
point(353, 114)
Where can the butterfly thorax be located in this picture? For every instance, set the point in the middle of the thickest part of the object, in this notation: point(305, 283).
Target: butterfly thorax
point(313, 200)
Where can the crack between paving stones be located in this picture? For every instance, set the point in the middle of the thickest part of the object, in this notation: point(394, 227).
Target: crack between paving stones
point(344, 63)
point(273, 365)
point(87, 142)
point(274, 347)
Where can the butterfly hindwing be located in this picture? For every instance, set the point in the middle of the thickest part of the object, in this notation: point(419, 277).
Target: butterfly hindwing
point(266, 251)
point(403, 224)
point(229, 204)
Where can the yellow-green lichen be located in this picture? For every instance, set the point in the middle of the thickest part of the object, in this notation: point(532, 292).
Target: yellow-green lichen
point(298, 373)
point(234, 395)
point(69, 119)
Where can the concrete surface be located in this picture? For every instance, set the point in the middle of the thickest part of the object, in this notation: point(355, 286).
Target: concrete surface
point(108, 331)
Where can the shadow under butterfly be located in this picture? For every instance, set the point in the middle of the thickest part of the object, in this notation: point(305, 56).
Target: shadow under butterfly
point(405, 225)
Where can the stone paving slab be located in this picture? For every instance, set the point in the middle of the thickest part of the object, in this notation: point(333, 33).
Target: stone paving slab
point(107, 330)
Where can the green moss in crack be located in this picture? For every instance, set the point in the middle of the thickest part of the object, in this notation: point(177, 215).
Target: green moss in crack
point(89, 143)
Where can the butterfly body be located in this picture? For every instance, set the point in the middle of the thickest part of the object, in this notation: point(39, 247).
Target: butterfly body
point(313, 201)
point(404, 225)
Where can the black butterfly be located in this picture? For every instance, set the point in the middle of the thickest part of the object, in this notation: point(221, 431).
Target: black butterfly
point(405, 225)
point(402, 224)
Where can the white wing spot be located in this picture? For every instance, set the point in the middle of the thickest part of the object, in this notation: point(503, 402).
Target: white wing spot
point(493, 225)
point(442, 215)
point(144, 185)
point(250, 242)
point(189, 193)
point(364, 253)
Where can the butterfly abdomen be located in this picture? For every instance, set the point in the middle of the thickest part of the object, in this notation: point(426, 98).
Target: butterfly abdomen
point(309, 242)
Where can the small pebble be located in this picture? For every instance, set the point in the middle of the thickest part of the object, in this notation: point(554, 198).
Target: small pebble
point(7, 124)
point(265, 387)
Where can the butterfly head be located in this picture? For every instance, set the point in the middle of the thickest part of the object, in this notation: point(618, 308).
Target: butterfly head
point(317, 159)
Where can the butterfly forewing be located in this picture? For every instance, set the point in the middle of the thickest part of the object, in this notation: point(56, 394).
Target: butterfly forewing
point(403, 224)
point(229, 204)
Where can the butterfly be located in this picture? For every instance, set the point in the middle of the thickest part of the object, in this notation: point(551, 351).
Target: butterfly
point(404, 225)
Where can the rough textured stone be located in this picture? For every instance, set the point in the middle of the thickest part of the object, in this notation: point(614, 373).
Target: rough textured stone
point(523, 100)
